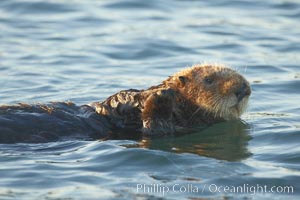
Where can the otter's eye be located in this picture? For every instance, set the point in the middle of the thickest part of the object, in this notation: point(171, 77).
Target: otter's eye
point(208, 80)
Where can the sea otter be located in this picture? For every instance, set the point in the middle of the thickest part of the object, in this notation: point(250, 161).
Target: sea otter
point(201, 94)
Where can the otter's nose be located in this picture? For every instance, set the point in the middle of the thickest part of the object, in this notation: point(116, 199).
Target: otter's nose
point(243, 91)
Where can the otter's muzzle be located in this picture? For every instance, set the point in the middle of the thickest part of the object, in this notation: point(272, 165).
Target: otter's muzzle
point(242, 92)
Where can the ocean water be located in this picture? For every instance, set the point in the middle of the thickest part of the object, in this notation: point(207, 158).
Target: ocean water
point(84, 51)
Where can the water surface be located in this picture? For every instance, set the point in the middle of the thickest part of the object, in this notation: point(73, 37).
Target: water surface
point(84, 51)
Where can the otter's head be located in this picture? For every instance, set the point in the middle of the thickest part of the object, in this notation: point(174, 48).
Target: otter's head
point(218, 90)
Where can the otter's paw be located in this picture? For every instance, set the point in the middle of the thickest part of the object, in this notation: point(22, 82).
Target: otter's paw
point(158, 127)
point(157, 113)
point(159, 105)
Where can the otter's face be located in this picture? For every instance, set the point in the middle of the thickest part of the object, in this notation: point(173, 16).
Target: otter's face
point(222, 91)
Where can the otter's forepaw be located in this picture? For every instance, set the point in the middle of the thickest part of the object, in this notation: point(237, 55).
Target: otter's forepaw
point(157, 113)
point(157, 127)
point(159, 105)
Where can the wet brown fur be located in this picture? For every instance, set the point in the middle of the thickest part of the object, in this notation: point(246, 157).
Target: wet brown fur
point(201, 94)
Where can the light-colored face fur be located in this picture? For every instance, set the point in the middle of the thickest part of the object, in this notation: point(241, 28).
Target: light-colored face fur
point(217, 89)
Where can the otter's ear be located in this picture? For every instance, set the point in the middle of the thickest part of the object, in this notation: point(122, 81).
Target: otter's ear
point(176, 81)
point(182, 80)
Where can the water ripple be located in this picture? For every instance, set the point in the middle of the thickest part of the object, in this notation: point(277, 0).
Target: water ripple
point(85, 51)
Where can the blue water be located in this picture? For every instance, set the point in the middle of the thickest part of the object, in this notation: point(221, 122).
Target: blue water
point(84, 51)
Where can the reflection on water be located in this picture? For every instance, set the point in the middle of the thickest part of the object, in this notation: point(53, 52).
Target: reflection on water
point(225, 141)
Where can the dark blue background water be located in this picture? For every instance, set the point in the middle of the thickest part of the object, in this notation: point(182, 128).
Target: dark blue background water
point(84, 51)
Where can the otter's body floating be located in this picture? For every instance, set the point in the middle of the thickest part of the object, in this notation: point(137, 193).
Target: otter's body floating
point(202, 94)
